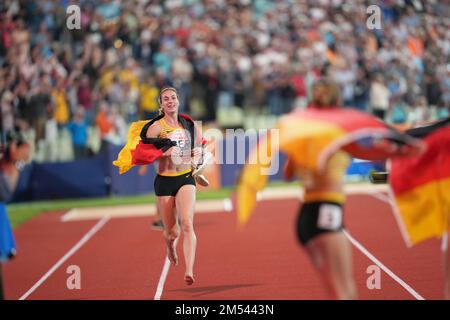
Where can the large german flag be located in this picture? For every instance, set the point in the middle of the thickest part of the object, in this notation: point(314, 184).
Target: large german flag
point(421, 185)
point(140, 150)
point(309, 138)
point(125, 158)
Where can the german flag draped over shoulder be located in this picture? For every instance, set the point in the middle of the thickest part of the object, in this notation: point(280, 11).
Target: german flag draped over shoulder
point(421, 185)
point(309, 138)
point(140, 150)
point(124, 159)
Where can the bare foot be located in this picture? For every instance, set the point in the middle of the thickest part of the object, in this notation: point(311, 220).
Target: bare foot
point(172, 252)
point(189, 279)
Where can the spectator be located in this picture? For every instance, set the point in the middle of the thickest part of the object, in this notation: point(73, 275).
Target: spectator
point(182, 74)
point(60, 102)
point(104, 124)
point(258, 54)
point(78, 129)
point(361, 91)
point(51, 138)
point(210, 83)
point(38, 106)
point(119, 126)
point(273, 91)
point(149, 99)
point(419, 112)
point(379, 97)
point(14, 154)
point(129, 106)
point(84, 95)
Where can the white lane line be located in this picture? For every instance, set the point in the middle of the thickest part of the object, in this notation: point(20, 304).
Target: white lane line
point(68, 215)
point(141, 210)
point(383, 267)
point(444, 244)
point(95, 213)
point(389, 200)
point(227, 206)
point(382, 197)
point(162, 279)
point(74, 249)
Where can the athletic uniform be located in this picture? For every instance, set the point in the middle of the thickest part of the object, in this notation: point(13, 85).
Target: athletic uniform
point(168, 184)
point(322, 211)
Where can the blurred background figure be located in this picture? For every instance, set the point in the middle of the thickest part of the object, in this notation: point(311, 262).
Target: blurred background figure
point(379, 97)
point(78, 128)
point(14, 153)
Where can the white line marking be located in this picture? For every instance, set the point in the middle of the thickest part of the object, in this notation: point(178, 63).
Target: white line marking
point(95, 213)
point(382, 197)
point(383, 267)
point(68, 215)
point(140, 210)
point(389, 200)
point(444, 243)
point(74, 249)
point(227, 205)
point(295, 192)
point(162, 279)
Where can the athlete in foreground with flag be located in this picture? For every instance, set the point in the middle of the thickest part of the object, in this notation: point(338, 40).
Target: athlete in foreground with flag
point(176, 142)
point(319, 142)
point(13, 156)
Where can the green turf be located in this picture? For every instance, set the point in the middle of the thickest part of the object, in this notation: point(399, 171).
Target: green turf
point(21, 212)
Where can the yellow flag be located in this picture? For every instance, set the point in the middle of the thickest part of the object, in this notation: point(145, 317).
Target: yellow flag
point(124, 159)
point(253, 178)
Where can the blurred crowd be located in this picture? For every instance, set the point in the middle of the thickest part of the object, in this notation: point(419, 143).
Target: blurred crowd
point(257, 55)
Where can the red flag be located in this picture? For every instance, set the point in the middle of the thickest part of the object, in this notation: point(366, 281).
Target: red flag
point(421, 188)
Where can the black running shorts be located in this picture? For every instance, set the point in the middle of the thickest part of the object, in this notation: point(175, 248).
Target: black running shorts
point(316, 218)
point(169, 185)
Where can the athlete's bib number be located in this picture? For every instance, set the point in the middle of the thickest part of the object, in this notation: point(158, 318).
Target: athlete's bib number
point(184, 147)
point(181, 143)
point(330, 217)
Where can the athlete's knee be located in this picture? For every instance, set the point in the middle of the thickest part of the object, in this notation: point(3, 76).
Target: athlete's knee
point(171, 234)
point(187, 225)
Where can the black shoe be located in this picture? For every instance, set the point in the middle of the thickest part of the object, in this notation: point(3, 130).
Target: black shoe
point(158, 225)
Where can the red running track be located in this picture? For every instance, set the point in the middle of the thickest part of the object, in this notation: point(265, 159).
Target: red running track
point(125, 258)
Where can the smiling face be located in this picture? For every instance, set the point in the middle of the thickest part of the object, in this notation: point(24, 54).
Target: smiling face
point(169, 101)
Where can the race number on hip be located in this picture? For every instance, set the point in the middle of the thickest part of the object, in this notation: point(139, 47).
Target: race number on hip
point(330, 217)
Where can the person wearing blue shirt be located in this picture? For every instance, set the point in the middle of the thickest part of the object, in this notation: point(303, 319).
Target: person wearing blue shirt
point(78, 128)
point(12, 158)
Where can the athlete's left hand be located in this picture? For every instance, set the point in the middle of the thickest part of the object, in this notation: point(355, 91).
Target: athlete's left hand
point(197, 155)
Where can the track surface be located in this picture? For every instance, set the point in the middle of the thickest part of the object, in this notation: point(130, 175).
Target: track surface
point(124, 258)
